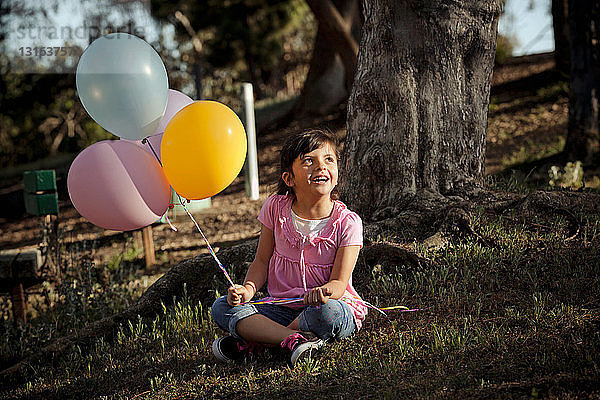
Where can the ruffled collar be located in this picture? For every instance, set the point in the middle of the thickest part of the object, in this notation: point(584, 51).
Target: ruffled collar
point(299, 240)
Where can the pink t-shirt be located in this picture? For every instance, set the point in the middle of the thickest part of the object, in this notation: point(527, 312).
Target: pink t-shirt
point(299, 262)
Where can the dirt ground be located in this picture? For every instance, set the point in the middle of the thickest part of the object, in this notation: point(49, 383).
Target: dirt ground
point(232, 217)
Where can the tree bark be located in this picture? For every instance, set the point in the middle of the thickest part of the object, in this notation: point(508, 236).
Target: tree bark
point(561, 35)
point(417, 115)
point(583, 140)
point(332, 66)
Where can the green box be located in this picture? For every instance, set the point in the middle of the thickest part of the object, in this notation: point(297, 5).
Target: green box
point(39, 181)
point(41, 204)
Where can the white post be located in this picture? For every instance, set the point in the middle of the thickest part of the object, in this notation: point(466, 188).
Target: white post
point(251, 168)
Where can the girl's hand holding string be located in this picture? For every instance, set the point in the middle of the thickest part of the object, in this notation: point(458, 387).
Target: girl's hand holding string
point(317, 296)
point(240, 294)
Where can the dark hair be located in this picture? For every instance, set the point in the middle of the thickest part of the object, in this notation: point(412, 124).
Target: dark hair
point(299, 144)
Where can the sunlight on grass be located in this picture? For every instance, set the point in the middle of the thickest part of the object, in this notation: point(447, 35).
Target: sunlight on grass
point(592, 182)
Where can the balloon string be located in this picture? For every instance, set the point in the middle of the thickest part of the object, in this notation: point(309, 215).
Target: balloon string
point(275, 301)
point(146, 141)
point(212, 252)
point(210, 249)
point(355, 299)
point(169, 221)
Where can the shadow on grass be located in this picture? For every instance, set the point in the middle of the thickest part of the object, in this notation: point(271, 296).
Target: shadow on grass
point(526, 86)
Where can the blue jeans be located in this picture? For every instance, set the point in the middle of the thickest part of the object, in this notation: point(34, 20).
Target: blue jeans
point(332, 320)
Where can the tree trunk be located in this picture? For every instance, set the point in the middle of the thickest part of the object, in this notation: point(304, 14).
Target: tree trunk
point(417, 115)
point(198, 78)
point(332, 66)
point(324, 87)
point(561, 35)
point(337, 31)
point(583, 141)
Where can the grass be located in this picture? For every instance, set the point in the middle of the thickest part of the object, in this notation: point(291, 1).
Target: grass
point(516, 320)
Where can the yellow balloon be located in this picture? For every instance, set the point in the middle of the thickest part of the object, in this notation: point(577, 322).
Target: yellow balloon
point(203, 149)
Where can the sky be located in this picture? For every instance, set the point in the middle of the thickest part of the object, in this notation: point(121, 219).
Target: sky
point(530, 22)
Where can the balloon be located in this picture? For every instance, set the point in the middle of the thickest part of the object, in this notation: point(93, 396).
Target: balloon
point(203, 149)
point(176, 101)
point(117, 185)
point(155, 141)
point(123, 85)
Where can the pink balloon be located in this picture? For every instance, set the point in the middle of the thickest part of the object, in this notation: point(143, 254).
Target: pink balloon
point(117, 185)
point(175, 102)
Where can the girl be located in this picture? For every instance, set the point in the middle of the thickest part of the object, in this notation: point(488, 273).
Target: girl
point(308, 247)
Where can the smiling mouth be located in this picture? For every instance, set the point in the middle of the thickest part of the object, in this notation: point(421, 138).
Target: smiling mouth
point(320, 179)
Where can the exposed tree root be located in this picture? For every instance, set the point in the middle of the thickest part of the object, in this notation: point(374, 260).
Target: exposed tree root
point(427, 217)
point(418, 221)
point(549, 205)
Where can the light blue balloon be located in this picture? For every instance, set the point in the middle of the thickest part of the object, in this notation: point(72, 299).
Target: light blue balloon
point(122, 83)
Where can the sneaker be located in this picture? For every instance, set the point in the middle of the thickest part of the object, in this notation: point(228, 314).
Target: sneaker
point(229, 349)
point(301, 345)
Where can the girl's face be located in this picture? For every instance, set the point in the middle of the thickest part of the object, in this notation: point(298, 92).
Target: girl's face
point(314, 173)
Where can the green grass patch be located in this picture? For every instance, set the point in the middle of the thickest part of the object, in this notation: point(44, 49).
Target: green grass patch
point(518, 319)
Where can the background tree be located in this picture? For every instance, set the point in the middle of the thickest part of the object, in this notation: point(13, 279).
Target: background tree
point(333, 62)
point(417, 115)
point(244, 36)
point(583, 140)
point(561, 35)
point(253, 33)
point(40, 112)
